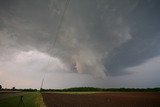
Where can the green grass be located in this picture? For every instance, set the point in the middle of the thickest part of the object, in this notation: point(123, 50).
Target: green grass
point(32, 99)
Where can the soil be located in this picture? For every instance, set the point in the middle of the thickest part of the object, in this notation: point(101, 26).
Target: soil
point(115, 99)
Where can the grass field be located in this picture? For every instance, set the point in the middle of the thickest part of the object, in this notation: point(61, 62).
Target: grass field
point(31, 99)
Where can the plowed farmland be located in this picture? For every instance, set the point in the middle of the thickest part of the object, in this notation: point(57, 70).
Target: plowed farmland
point(117, 99)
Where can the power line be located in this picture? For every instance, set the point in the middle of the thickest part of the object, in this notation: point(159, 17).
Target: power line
point(54, 43)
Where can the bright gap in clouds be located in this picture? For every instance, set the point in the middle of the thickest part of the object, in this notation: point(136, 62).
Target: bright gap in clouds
point(144, 73)
point(25, 69)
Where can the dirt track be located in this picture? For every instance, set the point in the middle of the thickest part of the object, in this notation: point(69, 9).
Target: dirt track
point(102, 100)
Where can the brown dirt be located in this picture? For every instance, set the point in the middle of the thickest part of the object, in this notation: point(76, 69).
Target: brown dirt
point(125, 99)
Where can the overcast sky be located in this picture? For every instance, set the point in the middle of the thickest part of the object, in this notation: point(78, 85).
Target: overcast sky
point(101, 43)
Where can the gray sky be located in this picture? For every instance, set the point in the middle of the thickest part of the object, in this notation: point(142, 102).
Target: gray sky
point(102, 43)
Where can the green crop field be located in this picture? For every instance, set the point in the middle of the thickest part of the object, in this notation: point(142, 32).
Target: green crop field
point(30, 99)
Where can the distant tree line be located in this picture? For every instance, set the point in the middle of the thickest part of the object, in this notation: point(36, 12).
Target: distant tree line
point(14, 89)
point(0, 87)
point(87, 89)
point(24, 90)
point(92, 89)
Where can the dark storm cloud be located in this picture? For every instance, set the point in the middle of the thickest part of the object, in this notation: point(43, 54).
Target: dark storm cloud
point(97, 36)
point(144, 22)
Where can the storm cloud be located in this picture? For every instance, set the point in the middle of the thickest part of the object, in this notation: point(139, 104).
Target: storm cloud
point(100, 38)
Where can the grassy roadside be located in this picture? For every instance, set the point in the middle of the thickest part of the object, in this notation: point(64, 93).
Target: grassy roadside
point(31, 99)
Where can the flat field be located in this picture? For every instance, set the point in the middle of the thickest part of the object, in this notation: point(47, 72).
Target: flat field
point(112, 99)
point(12, 99)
